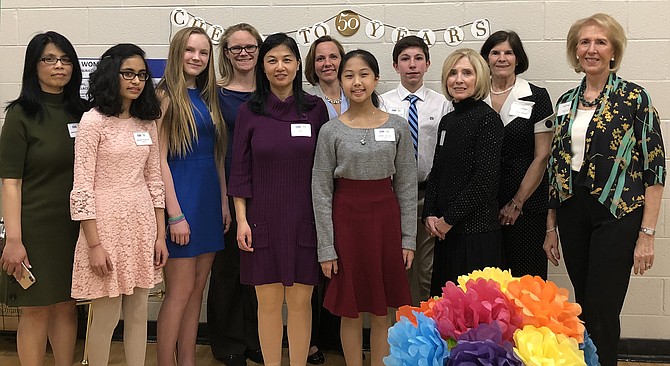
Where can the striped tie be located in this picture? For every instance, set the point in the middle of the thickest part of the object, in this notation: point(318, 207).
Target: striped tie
point(413, 119)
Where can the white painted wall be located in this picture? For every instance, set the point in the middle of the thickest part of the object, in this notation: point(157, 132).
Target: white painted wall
point(95, 25)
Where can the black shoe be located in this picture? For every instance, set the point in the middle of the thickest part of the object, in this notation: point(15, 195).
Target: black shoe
point(255, 356)
point(316, 358)
point(234, 360)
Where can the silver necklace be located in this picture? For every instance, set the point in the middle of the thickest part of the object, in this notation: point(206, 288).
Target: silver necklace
point(334, 101)
point(365, 133)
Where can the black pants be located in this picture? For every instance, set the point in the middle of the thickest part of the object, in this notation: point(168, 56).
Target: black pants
point(232, 308)
point(598, 253)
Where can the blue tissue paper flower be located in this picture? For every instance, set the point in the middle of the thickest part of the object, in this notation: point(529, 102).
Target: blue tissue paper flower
point(416, 346)
point(590, 350)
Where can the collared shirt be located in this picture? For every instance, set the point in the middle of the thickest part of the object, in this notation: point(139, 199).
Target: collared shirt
point(431, 106)
point(623, 152)
point(518, 94)
point(332, 113)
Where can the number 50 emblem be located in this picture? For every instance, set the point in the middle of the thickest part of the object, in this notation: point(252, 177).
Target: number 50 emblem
point(347, 23)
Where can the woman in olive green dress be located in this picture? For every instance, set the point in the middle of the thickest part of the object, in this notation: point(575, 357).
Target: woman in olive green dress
point(36, 165)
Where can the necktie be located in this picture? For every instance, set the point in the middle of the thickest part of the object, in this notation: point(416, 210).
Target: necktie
point(413, 119)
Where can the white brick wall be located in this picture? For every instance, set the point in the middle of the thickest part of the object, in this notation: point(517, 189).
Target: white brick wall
point(94, 25)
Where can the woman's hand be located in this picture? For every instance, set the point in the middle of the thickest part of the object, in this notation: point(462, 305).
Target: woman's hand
point(430, 225)
point(643, 254)
point(551, 247)
point(99, 260)
point(160, 253)
point(407, 258)
point(227, 219)
point(329, 268)
point(244, 236)
point(509, 214)
point(12, 257)
point(180, 232)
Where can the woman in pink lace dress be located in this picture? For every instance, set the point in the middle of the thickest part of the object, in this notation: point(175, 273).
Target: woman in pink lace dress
point(119, 198)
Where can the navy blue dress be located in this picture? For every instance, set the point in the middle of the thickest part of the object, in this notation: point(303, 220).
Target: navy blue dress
point(196, 182)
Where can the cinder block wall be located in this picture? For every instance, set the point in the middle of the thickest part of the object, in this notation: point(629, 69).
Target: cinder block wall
point(95, 25)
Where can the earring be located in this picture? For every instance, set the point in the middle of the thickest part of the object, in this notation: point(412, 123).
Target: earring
point(612, 58)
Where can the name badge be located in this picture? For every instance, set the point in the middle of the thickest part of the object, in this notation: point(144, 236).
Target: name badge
point(384, 134)
point(72, 129)
point(521, 108)
point(142, 138)
point(442, 135)
point(301, 129)
point(397, 111)
point(563, 109)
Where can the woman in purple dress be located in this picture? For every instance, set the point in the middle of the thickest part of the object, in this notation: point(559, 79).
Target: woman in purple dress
point(273, 152)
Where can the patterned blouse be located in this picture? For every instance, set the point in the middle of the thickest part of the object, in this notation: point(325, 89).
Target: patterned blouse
point(623, 151)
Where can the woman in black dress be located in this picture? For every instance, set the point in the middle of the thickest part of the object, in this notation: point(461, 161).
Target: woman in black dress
point(461, 205)
point(527, 114)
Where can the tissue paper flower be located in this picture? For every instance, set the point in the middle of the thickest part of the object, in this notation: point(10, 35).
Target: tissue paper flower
point(486, 353)
point(416, 346)
point(407, 311)
point(489, 273)
point(483, 332)
point(483, 303)
point(590, 351)
point(542, 347)
point(544, 304)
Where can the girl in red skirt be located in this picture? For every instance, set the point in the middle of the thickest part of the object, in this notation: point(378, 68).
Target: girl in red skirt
point(364, 192)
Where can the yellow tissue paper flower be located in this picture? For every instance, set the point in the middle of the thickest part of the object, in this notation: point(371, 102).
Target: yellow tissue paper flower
point(489, 273)
point(542, 347)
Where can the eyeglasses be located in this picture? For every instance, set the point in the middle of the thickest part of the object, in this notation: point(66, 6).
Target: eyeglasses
point(129, 75)
point(51, 60)
point(238, 49)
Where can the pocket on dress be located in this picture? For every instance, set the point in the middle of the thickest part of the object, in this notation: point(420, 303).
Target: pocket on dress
point(260, 235)
point(307, 234)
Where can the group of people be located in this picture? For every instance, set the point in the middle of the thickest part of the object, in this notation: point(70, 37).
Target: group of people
point(387, 197)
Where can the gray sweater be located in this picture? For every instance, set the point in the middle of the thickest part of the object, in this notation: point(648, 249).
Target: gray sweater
point(340, 154)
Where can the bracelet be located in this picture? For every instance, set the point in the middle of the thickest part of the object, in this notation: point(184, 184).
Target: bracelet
point(516, 207)
point(552, 229)
point(91, 247)
point(176, 219)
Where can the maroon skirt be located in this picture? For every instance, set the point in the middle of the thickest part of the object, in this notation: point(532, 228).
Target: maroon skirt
point(371, 274)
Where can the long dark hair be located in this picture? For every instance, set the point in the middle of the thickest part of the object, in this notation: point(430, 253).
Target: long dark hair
point(104, 89)
point(30, 98)
point(260, 96)
point(370, 60)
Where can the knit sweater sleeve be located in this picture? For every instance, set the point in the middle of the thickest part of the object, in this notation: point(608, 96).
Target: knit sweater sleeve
point(483, 184)
point(240, 184)
point(404, 183)
point(323, 187)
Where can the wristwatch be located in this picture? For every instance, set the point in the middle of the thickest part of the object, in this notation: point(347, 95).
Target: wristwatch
point(648, 231)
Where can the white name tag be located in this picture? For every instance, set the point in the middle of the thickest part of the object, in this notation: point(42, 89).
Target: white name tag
point(384, 134)
point(301, 129)
point(442, 135)
point(521, 108)
point(142, 138)
point(72, 129)
point(563, 109)
point(397, 111)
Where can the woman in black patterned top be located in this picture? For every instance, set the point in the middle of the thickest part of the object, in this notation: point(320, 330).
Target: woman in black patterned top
point(606, 176)
point(527, 114)
point(461, 205)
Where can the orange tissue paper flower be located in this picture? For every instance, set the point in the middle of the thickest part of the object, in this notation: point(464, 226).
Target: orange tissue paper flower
point(542, 303)
point(426, 307)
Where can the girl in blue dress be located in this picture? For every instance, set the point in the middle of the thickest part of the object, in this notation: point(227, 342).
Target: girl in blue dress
point(193, 144)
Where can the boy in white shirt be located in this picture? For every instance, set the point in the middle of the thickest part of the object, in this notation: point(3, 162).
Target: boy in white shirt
point(423, 108)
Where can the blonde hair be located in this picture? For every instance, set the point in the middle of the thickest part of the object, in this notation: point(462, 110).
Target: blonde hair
point(615, 34)
point(178, 128)
point(483, 81)
point(225, 66)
